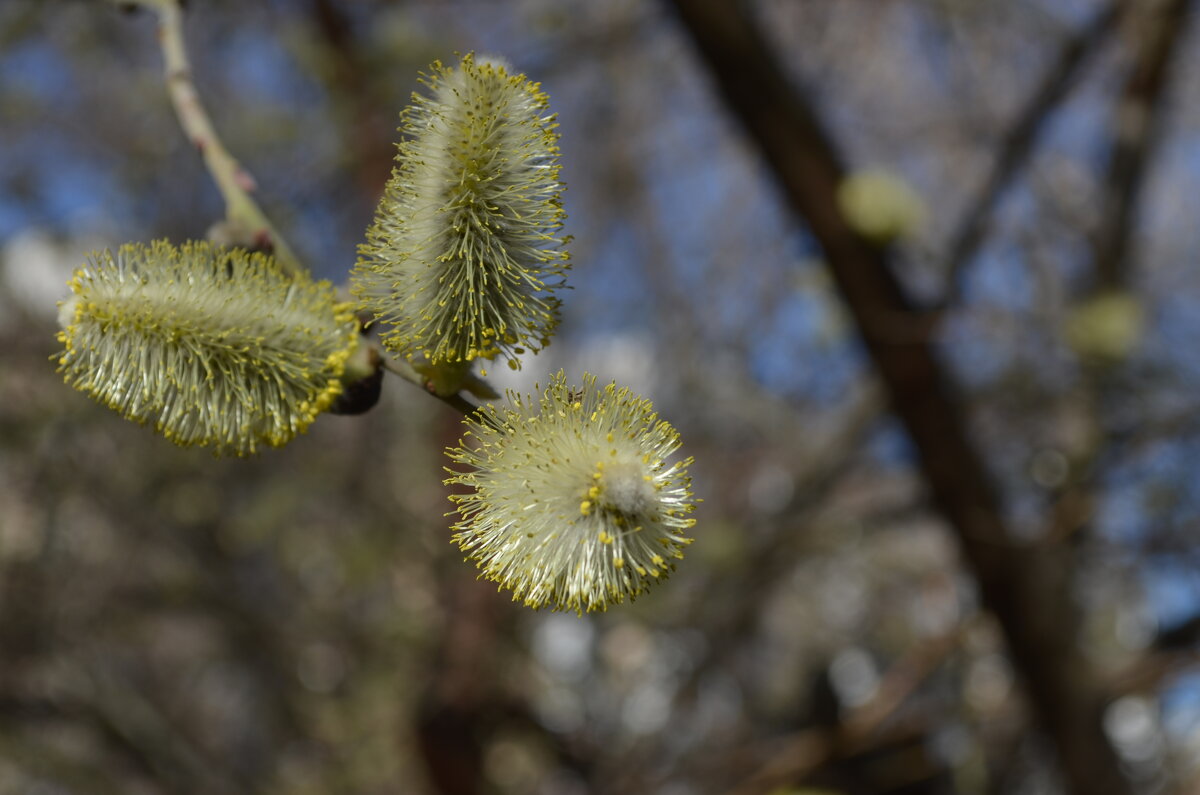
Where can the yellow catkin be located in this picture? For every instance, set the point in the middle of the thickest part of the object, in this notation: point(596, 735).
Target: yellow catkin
point(550, 520)
point(466, 248)
point(214, 347)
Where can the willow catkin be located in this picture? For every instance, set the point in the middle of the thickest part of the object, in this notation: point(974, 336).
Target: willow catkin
point(572, 500)
point(466, 249)
point(213, 347)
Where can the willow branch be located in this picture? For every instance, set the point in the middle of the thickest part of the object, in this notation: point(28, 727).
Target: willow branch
point(233, 181)
point(409, 373)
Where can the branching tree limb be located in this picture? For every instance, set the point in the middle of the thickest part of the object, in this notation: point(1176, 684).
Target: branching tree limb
point(1136, 130)
point(1018, 144)
point(1028, 588)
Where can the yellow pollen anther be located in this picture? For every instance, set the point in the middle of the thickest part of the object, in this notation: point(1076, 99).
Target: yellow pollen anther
point(585, 507)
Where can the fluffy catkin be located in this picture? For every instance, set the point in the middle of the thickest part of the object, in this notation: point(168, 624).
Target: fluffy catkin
point(466, 247)
point(571, 501)
point(214, 347)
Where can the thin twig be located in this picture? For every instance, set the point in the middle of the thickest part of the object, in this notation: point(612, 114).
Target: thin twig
point(408, 373)
point(234, 182)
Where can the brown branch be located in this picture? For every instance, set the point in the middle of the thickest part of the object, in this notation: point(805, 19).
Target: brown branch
point(1027, 588)
point(1150, 672)
point(806, 752)
point(1137, 129)
point(1018, 144)
point(1176, 650)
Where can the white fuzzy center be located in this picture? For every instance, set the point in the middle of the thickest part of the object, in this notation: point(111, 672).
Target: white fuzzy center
point(626, 489)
